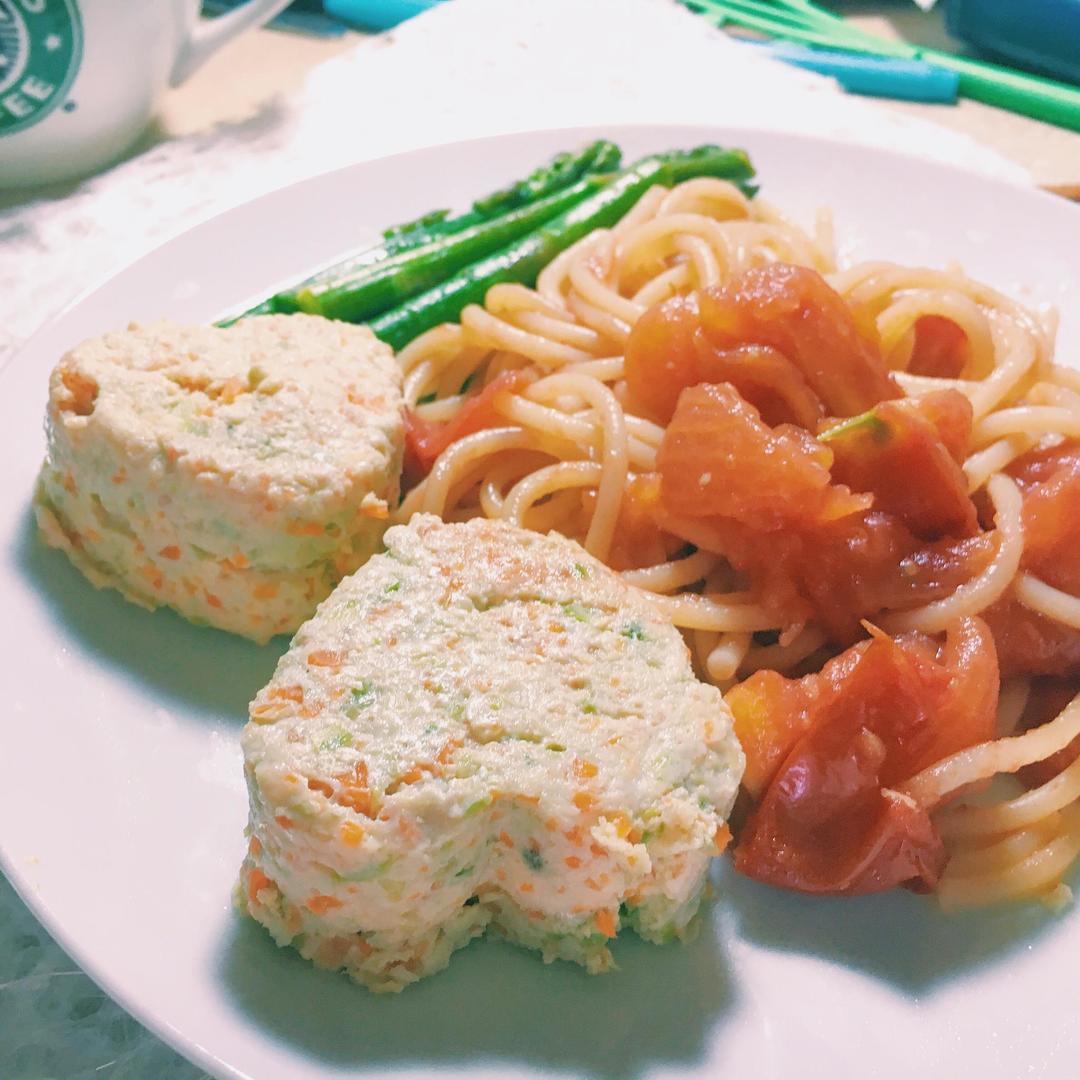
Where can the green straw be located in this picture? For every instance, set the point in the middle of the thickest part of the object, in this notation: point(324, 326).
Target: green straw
point(803, 21)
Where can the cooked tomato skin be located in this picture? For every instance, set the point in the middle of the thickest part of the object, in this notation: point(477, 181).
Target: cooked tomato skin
point(1029, 643)
point(898, 452)
point(941, 348)
point(425, 440)
point(788, 342)
point(793, 310)
point(718, 458)
point(830, 819)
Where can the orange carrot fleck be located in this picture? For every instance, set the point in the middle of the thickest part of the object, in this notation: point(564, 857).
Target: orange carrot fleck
point(584, 801)
point(605, 923)
point(284, 822)
point(584, 770)
point(722, 839)
point(254, 846)
point(525, 886)
point(572, 861)
point(266, 591)
point(325, 658)
point(294, 692)
point(505, 839)
point(321, 904)
point(351, 834)
point(170, 551)
point(257, 881)
point(213, 600)
point(320, 786)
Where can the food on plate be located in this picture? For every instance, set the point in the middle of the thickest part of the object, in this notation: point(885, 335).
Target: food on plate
point(427, 272)
point(234, 475)
point(856, 490)
point(482, 728)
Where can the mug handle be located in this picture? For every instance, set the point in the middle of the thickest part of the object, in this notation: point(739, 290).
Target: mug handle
point(208, 35)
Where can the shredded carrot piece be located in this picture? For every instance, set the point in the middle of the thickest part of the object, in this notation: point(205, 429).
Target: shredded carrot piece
point(583, 800)
point(320, 904)
point(170, 551)
point(284, 822)
point(597, 850)
point(325, 658)
point(320, 786)
point(584, 770)
point(257, 881)
point(525, 886)
point(572, 861)
point(351, 834)
point(289, 693)
point(722, 839)
point(505, 839)
point(605, 923)
point(254, 846)
point(212, 600)
point(265, 592)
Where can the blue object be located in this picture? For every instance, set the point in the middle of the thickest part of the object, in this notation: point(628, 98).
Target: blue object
point(376, 14)
point(1040, 34)
point(877, 76)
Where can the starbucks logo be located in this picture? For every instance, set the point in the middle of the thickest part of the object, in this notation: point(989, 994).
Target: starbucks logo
point(40, 50)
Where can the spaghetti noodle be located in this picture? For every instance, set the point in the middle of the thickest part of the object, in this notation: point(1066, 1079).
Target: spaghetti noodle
point(565, 444)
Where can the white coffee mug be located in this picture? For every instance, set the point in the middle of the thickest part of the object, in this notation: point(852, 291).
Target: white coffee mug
point(79, 79)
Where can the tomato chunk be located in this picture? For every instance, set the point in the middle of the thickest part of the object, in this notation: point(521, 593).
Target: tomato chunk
point(1029, 643)
point(786, 340)
point(793, 310)
point(896, 452)
point(425, 440)
point(718, 458)
point(941, 348)
point(830, 753)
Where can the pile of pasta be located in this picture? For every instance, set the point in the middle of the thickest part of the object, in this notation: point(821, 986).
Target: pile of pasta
point(853, 490)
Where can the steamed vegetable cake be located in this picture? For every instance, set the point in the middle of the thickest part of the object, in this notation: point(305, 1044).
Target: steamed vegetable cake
point(481, 727)
point(235, 475)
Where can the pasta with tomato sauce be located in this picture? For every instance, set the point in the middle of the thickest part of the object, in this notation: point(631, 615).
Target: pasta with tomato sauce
point(854, 490)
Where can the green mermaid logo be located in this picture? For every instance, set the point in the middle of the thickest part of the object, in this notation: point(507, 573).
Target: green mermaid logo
point(40, 51)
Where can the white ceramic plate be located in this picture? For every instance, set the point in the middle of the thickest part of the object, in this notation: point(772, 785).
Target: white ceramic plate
point(122, 805)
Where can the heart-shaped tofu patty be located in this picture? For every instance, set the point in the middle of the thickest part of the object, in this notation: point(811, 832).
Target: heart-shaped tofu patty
point(483, 726)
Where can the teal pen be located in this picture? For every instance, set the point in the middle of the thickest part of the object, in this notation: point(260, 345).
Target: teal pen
point(877, 76)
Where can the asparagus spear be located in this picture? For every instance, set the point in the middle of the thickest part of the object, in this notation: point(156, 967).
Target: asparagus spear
point(376, 288)
point(561, 172)
point(522, 260)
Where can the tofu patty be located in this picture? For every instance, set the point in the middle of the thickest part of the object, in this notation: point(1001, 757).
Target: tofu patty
point(235, 475)
point(482, 727)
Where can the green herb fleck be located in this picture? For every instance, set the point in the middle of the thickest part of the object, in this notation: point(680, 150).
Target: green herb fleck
point(588, 707)
point(463, 871)
point(868, 422)
point(335, 740)
point(575, 610)
point(556, 746)
point(427, 399)
point(635, 632)
point(580, 571)
point(393, 586)
point(477, 806)
point(360, 698)
point(533, 857)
